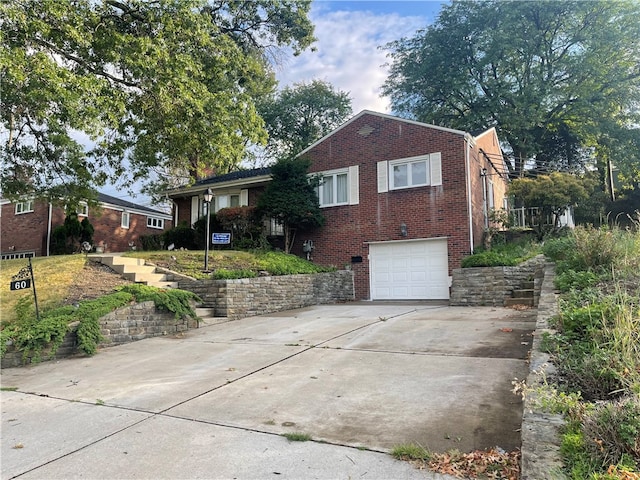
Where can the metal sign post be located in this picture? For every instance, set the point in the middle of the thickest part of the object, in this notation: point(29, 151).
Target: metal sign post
point(23, 280)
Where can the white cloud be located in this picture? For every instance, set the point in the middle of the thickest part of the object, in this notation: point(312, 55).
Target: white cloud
point(348, 55)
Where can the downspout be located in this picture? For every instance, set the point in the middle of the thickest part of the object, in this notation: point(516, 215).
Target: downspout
point(49, 229)
point(469, 204)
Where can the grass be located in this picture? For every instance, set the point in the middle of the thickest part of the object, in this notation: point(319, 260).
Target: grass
point(410, 451)
point(297, 437)
point(53, 277)
point(229, 263)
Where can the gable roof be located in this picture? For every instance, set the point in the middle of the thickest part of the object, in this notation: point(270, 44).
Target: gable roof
point(387, 117)
point(108, 200)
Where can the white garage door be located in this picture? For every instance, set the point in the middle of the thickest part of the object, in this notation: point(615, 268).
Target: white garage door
point(412, 270)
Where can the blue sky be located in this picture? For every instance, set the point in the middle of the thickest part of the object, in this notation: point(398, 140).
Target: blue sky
point(347, 52)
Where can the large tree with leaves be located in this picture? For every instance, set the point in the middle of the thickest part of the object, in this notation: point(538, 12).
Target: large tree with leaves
point(291, 198)
point(297, 116)
point(168, 85)
point(551, 195)
point(560, 81)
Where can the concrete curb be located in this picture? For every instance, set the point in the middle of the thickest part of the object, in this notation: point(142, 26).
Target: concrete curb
point(541, 457)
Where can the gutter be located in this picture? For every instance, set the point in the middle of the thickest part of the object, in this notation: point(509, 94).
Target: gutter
point(469, 204)
point(49, 229)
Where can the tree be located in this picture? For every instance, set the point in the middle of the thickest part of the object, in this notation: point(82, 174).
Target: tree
point(554, 78)
point(298, 116)
point(552, 194)
point(291, 199)
point(168, 86)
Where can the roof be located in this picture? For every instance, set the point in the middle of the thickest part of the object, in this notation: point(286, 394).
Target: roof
point(239, 175)
point(118, 202)
point(388, 117)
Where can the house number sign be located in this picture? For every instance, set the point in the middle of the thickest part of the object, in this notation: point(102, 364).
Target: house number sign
point(23, 280)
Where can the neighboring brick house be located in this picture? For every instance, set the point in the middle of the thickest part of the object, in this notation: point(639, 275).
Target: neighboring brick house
point(26, 226)
point(403, 201)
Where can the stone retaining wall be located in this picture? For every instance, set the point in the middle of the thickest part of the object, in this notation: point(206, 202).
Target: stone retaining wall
point(256, 296)
point(491, 285)
point(127, 324)
point(540, 430)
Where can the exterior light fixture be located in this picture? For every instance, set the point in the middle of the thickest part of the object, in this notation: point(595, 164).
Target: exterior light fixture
point(403, 229)
point(208, 196)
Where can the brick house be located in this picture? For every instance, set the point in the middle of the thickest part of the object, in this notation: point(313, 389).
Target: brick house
point(403, 201)
point(26, 226)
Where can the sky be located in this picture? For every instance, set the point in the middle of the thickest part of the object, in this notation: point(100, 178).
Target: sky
point(347, 53)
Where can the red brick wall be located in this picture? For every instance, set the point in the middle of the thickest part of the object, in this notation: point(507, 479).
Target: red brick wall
point(428, 212)
point(108, 229)
point(184, 210)
point(28, 231)
point(489, 144)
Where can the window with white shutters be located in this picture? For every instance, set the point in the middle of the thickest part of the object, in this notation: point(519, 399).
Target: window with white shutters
point(339, 187)
point(420, 171)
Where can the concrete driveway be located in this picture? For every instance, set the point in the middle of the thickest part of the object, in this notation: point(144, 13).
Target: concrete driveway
point(358, 378)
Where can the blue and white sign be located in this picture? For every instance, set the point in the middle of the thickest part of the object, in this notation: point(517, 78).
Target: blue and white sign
point(221, 238)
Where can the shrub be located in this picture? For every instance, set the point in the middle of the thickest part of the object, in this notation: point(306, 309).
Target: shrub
point(560, 248)
point(230, 274)
point(613, 432)
point(595, 248)
point(570, 279)
point(489, 259)
point(151, 242)
point(181, 236)
point(171, 300)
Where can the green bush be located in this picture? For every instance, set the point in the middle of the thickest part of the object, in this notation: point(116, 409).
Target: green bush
point(287, 264)
point(181, 236)
point(581, 320)
point(489, 259)
point(570, 279)
point(560, 248)
point(230, 274)
point(171, 300)
point(151, 242)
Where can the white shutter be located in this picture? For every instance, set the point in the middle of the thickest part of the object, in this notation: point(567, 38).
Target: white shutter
point(244, 197)
point(195, 210)
point(435, 168)
point(354, 185)
point(383, 181)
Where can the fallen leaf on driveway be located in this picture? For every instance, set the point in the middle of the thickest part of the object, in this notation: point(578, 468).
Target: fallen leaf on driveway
point(506, 329)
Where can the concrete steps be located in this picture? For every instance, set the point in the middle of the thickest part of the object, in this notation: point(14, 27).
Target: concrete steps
point(134, 269)
point(526, 295)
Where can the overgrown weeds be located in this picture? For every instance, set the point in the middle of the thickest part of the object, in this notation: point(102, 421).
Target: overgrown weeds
point(597, 350)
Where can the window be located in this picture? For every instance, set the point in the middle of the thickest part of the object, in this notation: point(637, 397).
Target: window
point(24, 207)
point(13, 256)
point(155, 222)
point(126, 218)
point(273, 227)
point(338, 187)
point(83, 210)
point(410, 172)
point(226, 201)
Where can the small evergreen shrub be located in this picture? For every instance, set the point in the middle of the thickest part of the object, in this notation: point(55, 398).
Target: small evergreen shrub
point(489, 259)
